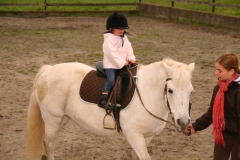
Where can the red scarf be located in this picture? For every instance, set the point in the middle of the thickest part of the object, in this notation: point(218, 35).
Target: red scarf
point(218, 111)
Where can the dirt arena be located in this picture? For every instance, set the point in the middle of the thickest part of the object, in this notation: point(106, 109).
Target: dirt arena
point(28, 43)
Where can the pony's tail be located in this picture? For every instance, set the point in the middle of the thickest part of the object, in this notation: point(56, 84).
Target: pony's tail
point(35, 126)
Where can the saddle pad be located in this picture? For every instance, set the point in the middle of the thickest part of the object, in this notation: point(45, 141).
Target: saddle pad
point(91, 84)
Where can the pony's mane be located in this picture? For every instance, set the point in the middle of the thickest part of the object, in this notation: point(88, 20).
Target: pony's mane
point(181, 75)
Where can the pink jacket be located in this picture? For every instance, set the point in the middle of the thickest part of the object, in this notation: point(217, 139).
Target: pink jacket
point(115, 56)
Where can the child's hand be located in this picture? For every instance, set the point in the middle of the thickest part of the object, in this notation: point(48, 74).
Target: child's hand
point(132, 61)
point(126, 63)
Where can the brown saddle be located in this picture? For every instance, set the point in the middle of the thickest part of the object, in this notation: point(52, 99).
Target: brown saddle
point(123, 89)
point(94, 80)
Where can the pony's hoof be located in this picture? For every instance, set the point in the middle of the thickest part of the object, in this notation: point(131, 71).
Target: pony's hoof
point(44, 158)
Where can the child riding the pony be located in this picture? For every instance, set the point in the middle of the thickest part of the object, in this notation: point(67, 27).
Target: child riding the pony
point(118, 52)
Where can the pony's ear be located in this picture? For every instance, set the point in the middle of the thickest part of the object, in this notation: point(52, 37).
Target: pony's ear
point(168, 69)
point(191, 67)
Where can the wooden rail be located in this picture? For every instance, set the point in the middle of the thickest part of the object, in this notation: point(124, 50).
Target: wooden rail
point(45, 4)
point(69, 4)
point(92, 4)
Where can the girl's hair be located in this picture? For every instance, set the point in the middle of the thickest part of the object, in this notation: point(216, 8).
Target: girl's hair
point(229, 61)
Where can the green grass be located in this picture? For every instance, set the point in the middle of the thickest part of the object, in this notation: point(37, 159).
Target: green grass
point(183, 5)
point(198, 7)
point(67, 8)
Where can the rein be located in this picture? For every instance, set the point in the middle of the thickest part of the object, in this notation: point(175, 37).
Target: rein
point(165, 91)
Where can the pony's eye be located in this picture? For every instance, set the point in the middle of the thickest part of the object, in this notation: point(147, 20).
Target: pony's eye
point(170, 91)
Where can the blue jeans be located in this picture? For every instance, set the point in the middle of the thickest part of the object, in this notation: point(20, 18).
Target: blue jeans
point(111, 76)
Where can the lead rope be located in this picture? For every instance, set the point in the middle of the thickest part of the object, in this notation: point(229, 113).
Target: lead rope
point(143, 103)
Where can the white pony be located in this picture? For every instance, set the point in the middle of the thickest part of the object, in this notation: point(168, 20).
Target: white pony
point(55, 99)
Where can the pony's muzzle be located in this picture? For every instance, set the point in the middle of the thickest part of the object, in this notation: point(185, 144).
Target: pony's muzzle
point(183, 123)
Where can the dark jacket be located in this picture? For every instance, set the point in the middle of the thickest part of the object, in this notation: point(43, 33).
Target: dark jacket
point(231, 110)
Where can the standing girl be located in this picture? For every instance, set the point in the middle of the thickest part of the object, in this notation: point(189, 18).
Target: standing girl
point(118, 52)
point(224, 112)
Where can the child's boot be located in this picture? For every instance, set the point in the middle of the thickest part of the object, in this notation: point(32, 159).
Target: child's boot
point(103, 101)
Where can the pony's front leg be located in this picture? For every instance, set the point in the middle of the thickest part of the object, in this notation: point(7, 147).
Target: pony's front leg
point(147, 140)
point(139, 145)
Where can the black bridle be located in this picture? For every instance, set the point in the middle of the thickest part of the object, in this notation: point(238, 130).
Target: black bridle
point(168, 105)
point(165, 92)
point(143, 103)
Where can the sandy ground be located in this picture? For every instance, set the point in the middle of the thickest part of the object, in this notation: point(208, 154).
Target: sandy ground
point(28, 43)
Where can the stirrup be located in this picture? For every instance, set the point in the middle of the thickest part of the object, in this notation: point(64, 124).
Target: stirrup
point(109, 127)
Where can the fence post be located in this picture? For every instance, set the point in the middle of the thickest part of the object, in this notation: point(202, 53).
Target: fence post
point(213, 7)
point(172, 3)
point(45, 5)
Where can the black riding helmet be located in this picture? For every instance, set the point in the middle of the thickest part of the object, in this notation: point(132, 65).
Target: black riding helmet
point(117, 20)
